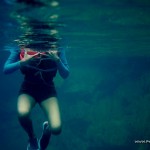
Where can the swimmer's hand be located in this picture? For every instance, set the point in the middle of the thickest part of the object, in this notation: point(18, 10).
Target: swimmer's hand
point(28, 57)
point(53, 55)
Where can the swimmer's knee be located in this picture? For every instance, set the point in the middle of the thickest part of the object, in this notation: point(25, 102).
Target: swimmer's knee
point(23, 113)
point(56, 130)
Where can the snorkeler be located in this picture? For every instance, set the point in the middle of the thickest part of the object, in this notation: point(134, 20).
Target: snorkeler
point(39, 68)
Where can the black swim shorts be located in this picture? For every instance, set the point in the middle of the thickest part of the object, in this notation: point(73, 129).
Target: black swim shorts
point(39, 92)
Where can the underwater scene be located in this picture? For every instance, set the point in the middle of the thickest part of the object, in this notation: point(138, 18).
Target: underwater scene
point(105, 101)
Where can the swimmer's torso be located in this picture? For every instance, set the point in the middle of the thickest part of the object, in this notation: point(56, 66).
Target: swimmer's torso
point(39, 69)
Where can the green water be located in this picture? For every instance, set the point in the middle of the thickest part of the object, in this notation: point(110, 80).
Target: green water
point(105, 101)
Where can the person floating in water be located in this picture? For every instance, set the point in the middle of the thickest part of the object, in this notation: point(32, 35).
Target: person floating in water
point(39, 68)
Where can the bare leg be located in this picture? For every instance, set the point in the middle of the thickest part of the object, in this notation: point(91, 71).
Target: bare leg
point(52, 112)
point(24, 107)
point(51, 109)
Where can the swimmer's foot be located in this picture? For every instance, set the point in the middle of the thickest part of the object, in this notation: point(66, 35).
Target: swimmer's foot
point(45, 138)
point(33, 144)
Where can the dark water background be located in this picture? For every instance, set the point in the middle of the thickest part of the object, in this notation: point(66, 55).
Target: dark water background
point(105, 101)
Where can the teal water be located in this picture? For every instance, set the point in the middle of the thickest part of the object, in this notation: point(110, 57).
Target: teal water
point(105, 101)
